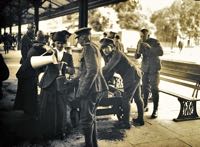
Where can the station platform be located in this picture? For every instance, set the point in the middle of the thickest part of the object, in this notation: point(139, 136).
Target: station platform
point(160, 132)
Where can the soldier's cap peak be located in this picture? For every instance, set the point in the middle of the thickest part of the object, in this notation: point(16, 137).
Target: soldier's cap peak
point(144, 30)
point(82, 31)
point(105, 42)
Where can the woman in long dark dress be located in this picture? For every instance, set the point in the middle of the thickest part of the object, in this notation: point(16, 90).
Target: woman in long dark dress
point(27, 94)
point(53, 108)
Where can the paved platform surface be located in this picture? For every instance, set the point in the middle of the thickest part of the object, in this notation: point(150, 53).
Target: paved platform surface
point(160, 132)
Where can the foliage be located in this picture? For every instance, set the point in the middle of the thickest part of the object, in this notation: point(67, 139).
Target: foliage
point(179, 20)
point(129, 15)
point(73, 19)
point(167, 23)
point(97, 21)
point(190, 18)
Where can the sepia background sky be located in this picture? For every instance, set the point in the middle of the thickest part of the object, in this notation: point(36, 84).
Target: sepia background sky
point(154, 5)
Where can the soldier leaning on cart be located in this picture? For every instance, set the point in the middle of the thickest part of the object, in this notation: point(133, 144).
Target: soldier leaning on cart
point(117, 62)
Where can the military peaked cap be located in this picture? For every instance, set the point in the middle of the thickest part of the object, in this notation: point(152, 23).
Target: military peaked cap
point(144, 30)
point(112, 34)
point(105, 42)
point(82, 31)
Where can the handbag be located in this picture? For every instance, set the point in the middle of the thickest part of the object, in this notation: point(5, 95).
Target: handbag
point(61, 83)
point(64, 85)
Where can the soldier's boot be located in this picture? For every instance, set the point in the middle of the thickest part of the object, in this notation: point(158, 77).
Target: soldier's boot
point(124, 123)
point(139, 121)
point(126, 112)
point(155, 96)
point(94, 136)
point(145, 100)
point(88, 132)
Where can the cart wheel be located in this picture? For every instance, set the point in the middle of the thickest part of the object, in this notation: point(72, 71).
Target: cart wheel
point(75, 117)
point(120, 113)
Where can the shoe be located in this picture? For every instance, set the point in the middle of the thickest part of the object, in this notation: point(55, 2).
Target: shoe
point(137, 122)
point(122, 125)
point(146, 109)
point(61, 136)
point(154, 114)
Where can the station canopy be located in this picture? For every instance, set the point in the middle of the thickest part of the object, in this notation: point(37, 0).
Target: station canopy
point(11, 11)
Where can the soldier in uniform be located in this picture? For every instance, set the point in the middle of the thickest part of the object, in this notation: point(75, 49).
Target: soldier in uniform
point(150, 49)
point(92, 86)
point(131, 75)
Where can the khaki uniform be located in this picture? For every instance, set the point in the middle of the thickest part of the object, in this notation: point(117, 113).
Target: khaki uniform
point(150, 66)
point(131, 76)
point(91, 83)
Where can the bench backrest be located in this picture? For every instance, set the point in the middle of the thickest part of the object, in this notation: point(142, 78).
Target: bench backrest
point(186, 74)
point(180, 70)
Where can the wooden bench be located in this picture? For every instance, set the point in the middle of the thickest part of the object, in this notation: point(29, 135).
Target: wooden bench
point(185, 74)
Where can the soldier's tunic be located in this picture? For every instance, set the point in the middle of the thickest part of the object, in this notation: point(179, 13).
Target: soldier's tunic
point(131, 75)
point(150, 66)
point(91, 84)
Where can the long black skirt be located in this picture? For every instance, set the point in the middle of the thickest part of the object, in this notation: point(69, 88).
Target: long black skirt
point(26, 97)
point(52, 112)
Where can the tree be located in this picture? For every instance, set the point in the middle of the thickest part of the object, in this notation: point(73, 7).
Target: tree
point(129, 15)
point(190, 19)
point(167, 23)
point(182, 18)
point(97, 21)
point(73, 19)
